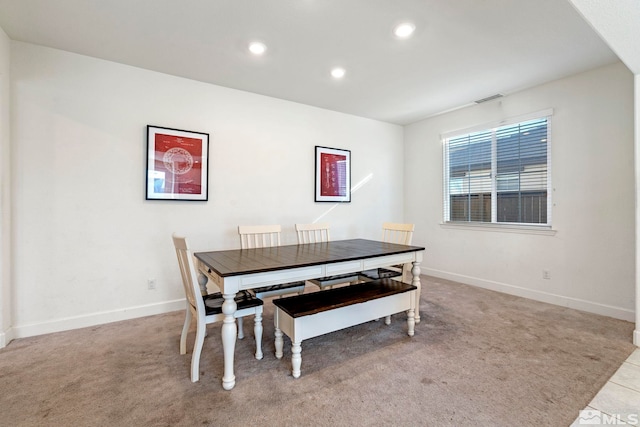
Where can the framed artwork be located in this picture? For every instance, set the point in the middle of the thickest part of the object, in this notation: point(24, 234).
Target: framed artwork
point(177, 164)
point(333, 175)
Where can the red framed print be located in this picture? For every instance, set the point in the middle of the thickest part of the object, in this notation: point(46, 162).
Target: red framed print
point(333, 175)
point(177, 164)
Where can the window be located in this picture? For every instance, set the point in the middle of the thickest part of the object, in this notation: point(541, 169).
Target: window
point(499, 175)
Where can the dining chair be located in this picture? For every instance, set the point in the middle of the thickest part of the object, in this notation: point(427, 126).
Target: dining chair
point(313, 233)
point(400, 234)
point(208, 308)
point(318, 233)
point(267, 236)
point(392, 233)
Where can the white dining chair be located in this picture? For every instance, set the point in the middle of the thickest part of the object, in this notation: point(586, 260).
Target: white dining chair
point(266, 236)
point(313, 233)
point(208, 308)
point(318, 233)
point(401, 234)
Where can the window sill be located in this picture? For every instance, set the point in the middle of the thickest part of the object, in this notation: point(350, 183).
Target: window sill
point(502, 228)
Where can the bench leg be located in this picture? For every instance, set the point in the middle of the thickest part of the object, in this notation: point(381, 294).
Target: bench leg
point(296, 359)
point(387, 320)
point(279, 343)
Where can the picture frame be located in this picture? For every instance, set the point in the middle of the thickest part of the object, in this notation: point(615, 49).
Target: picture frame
point(177, 164)
point(332, 175)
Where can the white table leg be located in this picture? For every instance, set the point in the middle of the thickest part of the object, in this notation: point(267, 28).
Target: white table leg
point(229, 334)
point(415, 271)
point(296, 359)
point(257, 333)
point(202, 281)
point(411, 319)
point(279, 342)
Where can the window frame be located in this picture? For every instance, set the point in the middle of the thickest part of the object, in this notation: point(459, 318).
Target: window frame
point(492, 127)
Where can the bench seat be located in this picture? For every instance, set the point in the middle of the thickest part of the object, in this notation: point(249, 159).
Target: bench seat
point(310, 315)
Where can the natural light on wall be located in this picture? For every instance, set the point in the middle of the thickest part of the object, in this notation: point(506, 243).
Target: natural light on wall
point(354, 188)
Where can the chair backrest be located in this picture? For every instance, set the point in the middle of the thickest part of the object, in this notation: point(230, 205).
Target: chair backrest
point(259, 236)
point(397, 233)
point(312, 233)
point(188, 272)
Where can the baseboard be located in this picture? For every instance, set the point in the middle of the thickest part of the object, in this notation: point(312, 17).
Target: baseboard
point(93, 319)
point(6, 337)
point(636, 336)
point(575, 303)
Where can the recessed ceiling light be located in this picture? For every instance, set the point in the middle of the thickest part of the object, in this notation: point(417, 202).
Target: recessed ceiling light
point(404, 30)
point(338, 73)
point(257, 48)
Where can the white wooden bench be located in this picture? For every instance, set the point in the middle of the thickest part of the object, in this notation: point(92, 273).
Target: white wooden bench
point(310, 315)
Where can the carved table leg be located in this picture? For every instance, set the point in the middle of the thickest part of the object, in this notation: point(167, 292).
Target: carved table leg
point(411, 322)
point(296, 359)
point(240, 328)
point(202, 281)
point(415, 271)
point(229, 334)
point(279, 343)
point(257, 333)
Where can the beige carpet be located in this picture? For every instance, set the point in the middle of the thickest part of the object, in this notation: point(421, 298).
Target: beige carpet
point(479, 358)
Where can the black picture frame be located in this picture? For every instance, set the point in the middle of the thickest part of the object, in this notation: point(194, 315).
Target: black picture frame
point(177, 164)
point(332, 175)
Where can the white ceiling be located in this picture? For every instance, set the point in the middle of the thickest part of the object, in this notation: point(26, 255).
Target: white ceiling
point(462, 50)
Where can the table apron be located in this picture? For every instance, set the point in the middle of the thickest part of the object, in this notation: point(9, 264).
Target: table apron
point(385, 261)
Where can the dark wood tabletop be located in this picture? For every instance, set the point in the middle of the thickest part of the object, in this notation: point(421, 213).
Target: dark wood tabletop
point(247, 261)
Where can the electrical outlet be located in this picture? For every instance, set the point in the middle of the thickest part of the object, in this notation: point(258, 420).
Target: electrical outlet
point(151, 284)
point(546, 274)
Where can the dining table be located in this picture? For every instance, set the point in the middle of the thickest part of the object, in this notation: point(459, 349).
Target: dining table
point(236, 270)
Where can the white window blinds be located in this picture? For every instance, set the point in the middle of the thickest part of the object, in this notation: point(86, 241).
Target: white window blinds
point(499, 175)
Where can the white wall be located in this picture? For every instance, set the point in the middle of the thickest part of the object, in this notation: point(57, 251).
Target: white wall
point(591, 255)
point(5, 194)
point(86, 241)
